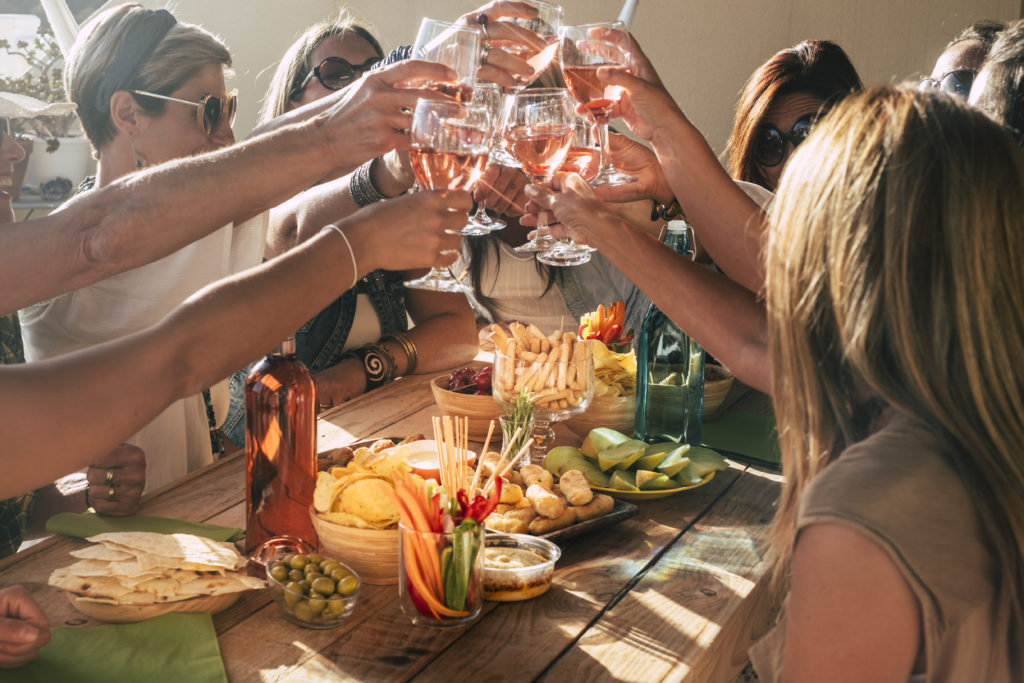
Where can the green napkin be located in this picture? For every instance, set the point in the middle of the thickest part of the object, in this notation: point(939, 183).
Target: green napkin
point(86, 524)
point(172, 647)
point(749, 437)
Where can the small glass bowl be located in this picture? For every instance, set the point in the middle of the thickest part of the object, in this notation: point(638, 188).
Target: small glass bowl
point(310, 609)
point(506, 583)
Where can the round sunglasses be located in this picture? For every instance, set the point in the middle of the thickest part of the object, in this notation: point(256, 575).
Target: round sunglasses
point(770, 147)
point(334, 73)
point(209, 110)
point(957, 82)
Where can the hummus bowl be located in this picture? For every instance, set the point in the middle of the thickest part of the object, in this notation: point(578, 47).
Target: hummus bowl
point(517, 566)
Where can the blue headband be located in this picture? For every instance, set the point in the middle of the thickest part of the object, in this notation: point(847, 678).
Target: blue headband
point(136, 50)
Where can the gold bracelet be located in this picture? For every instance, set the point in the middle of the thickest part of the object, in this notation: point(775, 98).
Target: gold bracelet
point(411, 354)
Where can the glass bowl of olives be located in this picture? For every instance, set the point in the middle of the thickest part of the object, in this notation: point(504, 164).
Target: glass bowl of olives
point(311, 590)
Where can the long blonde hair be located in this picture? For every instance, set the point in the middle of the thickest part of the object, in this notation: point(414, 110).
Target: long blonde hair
point(895, 277)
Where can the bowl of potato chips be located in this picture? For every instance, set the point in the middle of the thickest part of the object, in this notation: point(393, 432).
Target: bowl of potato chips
point(355, 514)
point(614, 401)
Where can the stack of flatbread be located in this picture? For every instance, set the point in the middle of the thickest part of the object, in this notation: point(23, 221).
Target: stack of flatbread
point(142, 568)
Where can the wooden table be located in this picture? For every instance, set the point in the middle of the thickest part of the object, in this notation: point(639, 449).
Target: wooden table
point(674, 593)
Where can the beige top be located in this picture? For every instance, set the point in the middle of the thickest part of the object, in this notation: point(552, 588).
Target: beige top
point(896, 488)
point(516, 288)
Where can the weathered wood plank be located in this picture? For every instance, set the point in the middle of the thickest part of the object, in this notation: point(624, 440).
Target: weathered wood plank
point(688, 617)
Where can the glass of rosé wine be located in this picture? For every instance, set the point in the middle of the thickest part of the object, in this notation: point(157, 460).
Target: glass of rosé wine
point(448, 152)
point(583, 50)
point(457, 47)
point(539, 133)
point(584, 159)
point(490, 97)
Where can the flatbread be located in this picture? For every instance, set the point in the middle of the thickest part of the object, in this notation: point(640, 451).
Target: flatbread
point(101, 552)
point(183, 547)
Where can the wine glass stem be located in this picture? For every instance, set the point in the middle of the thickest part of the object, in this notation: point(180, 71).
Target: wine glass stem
point(602, 139)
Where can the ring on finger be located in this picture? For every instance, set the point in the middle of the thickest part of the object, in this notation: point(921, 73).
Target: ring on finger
point(110, 493)
point(109, 478)
point(485, 52)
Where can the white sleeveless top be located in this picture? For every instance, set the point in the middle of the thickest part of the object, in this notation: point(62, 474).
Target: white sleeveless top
point(178, 440)
point(516, 289)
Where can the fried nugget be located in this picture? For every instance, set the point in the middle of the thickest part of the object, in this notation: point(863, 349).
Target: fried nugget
point(544, 502)
point(535, 474)
point(511, 494)
point(506, 525)
point(543, 525)
point(575, 487)
point(600, 505)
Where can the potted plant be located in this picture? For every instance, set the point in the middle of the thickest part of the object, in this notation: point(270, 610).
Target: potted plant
point(59, 150)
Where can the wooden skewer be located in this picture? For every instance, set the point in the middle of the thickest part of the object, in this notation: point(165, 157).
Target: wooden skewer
point(504, 455)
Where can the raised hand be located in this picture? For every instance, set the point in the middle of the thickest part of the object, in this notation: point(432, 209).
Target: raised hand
point(509, 45)
point(581, 214)
point(116, 481)
point(24, 628)
point(409, 232)
point(373, 115)
point(502, 190)
point(640, 162)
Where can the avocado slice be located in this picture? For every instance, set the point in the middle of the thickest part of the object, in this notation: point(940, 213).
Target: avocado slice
point(623, 480)
point(675, 461)
point(704, 460)
point(557, 456)
point(601, 439)
point(621, 457)
point(655, 454)
point(591, 471)
point(686, 477)
point(647, 480)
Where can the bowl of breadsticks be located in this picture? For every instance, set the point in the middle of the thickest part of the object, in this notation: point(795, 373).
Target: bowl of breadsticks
point(556, 370)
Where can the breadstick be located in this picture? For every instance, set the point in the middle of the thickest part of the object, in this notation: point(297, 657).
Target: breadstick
point(534, 345)
point(498, 336)
point(563, 366)
point(520, 335)
point(535, 332)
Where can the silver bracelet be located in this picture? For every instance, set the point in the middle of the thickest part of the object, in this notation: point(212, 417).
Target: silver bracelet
point(361, 187)
point(351, 253)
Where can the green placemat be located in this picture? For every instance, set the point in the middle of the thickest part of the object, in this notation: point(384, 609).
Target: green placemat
point(746, 436)
point(173, 647)
point(86, 524)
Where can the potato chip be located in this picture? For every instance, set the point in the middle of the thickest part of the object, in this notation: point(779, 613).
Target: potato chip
point(371, 500)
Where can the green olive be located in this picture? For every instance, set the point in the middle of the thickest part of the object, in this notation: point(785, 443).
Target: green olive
point(336, 604)
point(311, 569)
point(303, 611)
point(316, 605)
point(296, 575)
point(287, 558)
point(328, 566)
point(323, 585)
point(278, 571)
point(305, 585)
point(298, 562)
point(347, 586)
point(339, 573)
point(315, 558)
point(293, 594)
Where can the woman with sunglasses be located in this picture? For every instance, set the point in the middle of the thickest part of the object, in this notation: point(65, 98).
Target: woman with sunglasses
point(957, 66)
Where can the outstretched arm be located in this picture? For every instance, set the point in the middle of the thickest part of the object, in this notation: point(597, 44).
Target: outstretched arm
point(99, 396)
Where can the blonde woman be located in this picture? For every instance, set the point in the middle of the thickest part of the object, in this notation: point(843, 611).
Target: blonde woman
point(895, 289)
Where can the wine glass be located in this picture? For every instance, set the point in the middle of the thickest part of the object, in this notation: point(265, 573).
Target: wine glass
point(581, 54)
point(539, 132)
point(488, 96)
point(448, 152)
point(545, 25)
point(583, 158)
point(551, 403)
point(454, 46)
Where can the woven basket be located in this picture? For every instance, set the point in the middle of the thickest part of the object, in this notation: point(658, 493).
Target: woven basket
point(605, 411)
point(717, 382)
point(479, 409)
point(372, 553)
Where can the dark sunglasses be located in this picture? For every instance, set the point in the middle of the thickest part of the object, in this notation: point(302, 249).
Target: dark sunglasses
point(334, 73)
point(209, 110)
point(957, 83)
point(770, 149)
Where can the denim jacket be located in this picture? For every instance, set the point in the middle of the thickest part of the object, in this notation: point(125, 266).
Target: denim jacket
point(599, 282)
point(320, 343)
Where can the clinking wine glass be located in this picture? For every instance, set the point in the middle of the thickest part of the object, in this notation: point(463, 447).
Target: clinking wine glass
point(545, 25)
point(559, 393)
point(539, 133)
point(583, 158)
point(457, 47)
point(583, 50)
point(488, 96)
point(448, 152)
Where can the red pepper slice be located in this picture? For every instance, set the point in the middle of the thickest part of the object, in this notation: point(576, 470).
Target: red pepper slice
point(611, 333)
point(481, 507)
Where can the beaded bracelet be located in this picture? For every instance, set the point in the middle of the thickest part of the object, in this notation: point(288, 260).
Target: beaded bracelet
point(361, 186)
point(411, 352)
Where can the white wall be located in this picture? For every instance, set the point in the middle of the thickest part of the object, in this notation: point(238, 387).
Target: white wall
point(703, 49)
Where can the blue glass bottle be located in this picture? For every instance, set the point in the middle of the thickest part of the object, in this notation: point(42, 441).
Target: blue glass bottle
point(670, 371)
